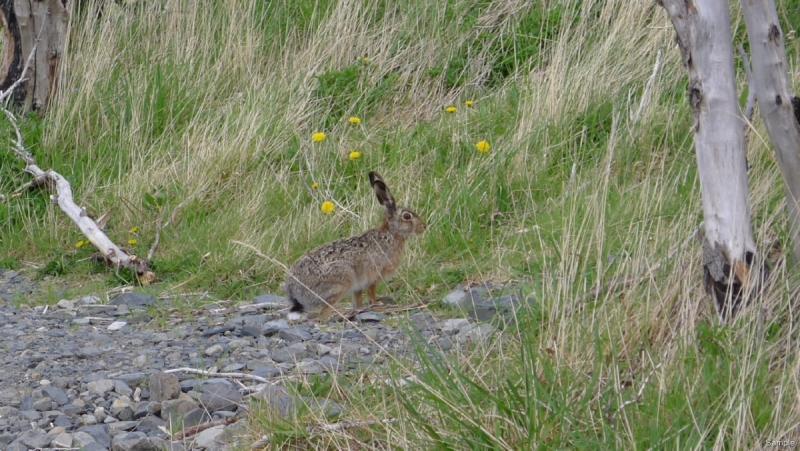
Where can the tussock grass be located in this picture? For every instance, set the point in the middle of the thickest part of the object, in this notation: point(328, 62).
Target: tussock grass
point(162, 101)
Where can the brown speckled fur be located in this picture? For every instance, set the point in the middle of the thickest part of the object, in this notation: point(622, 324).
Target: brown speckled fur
point(350, 265)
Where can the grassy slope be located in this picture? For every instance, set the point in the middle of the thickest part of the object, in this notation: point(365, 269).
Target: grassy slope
point(162, 101)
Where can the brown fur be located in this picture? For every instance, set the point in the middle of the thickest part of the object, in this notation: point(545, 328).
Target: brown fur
point(351, 265)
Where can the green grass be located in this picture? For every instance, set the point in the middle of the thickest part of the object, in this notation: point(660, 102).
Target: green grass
point(214, 103)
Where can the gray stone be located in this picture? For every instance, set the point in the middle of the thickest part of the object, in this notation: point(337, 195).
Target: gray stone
point(424, 321)
point(164, 386)
point(34, 439)
point(310, 367)
point(174, 409)
point(238, 343)
point(43, 404)
point(370, 317)
point(99, 432)
point(94, 446)
point(122, 388)
point(62, 440)
point(455, 298)
point(134, 301)
point(250, 331)
point(100, 387)
point(133, 441)
point(195, 417)
point(452, 326)
point(144, 408)
point(117, 325)
point(26, 404)
point(214, 350)
point(271, 328)
point(291, 353)
point(264, 298)
point(216, 397)
point(88, 353)
point(56, 394)
point(122, 426)
point(208, 438)
point(80, 439)
point(89, 300)
point(65, 304)
point(297, 333)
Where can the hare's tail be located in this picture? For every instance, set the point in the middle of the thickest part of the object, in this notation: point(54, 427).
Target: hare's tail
point(296, 305)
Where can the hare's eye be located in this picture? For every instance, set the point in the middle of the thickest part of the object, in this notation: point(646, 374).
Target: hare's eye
point(407, 216)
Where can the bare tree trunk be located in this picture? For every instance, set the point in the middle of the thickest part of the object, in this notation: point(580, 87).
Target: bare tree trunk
point(704, 37)
point(24, 23)
point(776, 101)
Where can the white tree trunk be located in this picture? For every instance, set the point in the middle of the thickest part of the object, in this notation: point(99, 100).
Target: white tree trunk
point(775, 101)
point(704, 37)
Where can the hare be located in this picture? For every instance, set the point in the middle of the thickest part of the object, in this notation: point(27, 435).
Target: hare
point(326, 274)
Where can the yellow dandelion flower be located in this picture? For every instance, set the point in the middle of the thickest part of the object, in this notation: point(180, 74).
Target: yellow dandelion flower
point(80, 244)
point(483, 146)
point(354, 120)
point(450, 109)
point(314, 185)
point(318, 136)
point(469, 103)
point(132, 241)
point(327, 207)
point(355, 155)
point(134, 229)
point(365, 59)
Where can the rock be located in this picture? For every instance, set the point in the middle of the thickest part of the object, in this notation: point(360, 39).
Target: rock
point(164, 386)
point(144, 408)
point(238, 343)
point(291, 353)
point(217, 331)
point(65, 304)
point(271, 328)
point(134, 301)
point(80, 439)
point(250, 331)
point(452, 326)
point(174, 409)
point(216, 397)
point(100, 387)
point(89, 300)
point(133, 441)
point(297, 333)
point(43, 404)
point(117, 426)
point(195, 417)
point(88, 353)
point(120, 387)
point(424, 322)
point(56, 394)
point(264, 298)
point(34, 439)
point(455, 298)
point(62, 440)
point(99, 433)
point(370, 317)
point(208, 438)
point(323, 349)
point(117, 325)
point(214, 350)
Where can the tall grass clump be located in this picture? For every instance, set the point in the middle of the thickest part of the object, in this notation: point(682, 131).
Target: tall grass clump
point(584, 179)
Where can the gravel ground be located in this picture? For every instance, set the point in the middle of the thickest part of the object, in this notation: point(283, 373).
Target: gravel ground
point(88, 375)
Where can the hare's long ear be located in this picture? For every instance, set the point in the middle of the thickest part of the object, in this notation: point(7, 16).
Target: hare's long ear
point(382, 192)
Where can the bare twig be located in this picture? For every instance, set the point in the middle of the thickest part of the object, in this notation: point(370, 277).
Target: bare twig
point(751, 89)
point(212, 373)
point(171, 219)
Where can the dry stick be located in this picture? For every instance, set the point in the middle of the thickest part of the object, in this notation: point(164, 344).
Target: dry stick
point(228, 375)
point(751, 89)
point(171, 219)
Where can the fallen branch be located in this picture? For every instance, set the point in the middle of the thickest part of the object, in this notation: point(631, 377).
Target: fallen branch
point(215, 374)
point(190, 431)
point(110, 252)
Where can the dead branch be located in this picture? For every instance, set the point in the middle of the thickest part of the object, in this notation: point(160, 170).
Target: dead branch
point(751, 89)
point(190, 431)
point(215, 374)
point(111, 253)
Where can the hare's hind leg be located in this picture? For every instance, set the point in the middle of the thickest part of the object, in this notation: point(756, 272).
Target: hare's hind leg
point(371, 294)
point(327, 308)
